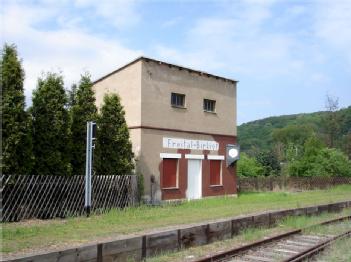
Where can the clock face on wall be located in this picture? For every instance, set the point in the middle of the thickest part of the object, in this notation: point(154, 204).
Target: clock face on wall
point(233, 152)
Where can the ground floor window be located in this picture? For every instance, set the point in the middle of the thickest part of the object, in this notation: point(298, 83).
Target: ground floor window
point(169, 176)
point(215, 172)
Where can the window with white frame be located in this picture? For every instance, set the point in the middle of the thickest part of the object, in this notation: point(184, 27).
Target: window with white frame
point(209, 105)
point(178, 100)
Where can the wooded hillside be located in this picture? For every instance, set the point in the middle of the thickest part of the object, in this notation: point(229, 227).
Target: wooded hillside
point(261, 135)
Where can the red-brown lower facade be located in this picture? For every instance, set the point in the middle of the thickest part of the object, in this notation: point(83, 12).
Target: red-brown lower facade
point(174, 169)
point(215, 177)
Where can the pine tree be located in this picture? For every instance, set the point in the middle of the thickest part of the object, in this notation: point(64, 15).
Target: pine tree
point(16, 141)
point(72, 96)
point(114, 154)
point(50, 127)
point(83, 110)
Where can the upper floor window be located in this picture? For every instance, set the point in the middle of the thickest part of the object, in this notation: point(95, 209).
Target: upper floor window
point(178, 100)
point(209, 105)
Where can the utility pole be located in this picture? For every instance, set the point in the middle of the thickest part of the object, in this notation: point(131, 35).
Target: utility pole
point(91, 131)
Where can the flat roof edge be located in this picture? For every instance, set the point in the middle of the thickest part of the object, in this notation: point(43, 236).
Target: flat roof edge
point(147, 59)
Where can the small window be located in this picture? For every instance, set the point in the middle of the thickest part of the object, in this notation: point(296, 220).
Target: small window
point(169, 176)
point(209, 105)
point(178, 100)
point(215, 172)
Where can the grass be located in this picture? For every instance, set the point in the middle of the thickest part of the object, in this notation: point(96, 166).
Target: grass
point(333, 229)
point(339, 252)
point(42, 235)
point(246, 236)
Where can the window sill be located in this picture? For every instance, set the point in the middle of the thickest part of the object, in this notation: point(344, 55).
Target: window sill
point(216, 185)
point(179, 107)
point(170, 188)
point(211, 112)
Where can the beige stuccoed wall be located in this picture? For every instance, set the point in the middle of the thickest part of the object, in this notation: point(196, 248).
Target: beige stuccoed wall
point(127, 84)
point(135, 138)
point(160, 80)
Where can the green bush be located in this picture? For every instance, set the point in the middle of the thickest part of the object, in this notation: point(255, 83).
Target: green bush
point(318, 160)
point(249, 167)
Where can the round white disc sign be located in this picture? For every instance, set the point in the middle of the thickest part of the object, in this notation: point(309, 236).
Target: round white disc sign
point(233, 152)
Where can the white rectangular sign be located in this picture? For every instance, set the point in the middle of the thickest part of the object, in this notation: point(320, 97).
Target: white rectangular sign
point(181, 143)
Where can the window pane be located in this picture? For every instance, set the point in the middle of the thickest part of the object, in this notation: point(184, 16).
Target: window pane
point(209, 105)
point(177, 99)
point(173, 99)
point(215, 172)
point(169, 176)
point(180, 100)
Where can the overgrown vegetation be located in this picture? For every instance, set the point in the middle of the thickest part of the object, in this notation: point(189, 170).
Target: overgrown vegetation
point(338, 252)
point(298, 145)
point(257, 136)
point(49, 138)
point(21, 236)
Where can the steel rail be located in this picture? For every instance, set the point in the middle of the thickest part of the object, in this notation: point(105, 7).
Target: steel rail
point(317, 248)
point(235, 251)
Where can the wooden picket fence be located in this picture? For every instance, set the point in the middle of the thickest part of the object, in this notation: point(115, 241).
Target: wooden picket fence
point(49, 196)
point(282, 183)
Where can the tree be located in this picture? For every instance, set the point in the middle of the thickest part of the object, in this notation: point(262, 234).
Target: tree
point(16, 141)
point(269, 162)
point(83, 110)
point(114, 154)
point(332, 119)
point(295, 134)
point(51, 127)
point(320, 161)
point(72, 96)
point(249, 167)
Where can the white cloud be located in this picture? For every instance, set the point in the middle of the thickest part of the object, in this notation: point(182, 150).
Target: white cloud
point(237, 43)
point(333, 24)
point(120, 13)
point(70, 50)
point(258, 38)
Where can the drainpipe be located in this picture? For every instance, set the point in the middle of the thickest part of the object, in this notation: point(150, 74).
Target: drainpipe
point(152, 183)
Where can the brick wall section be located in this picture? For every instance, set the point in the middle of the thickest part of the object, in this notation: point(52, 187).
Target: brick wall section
point(228, 186)
point(140, 247)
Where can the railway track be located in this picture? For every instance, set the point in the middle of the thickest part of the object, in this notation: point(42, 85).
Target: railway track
point(292, 246)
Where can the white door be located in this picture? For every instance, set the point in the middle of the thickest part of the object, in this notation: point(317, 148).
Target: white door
point(194, 190)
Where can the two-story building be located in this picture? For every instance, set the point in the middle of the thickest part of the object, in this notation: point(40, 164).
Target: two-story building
point(180, 121)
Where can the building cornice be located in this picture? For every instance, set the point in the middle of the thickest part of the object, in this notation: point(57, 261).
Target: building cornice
point(147, 59)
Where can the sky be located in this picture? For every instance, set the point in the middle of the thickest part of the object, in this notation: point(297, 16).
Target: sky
point(287, 55)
